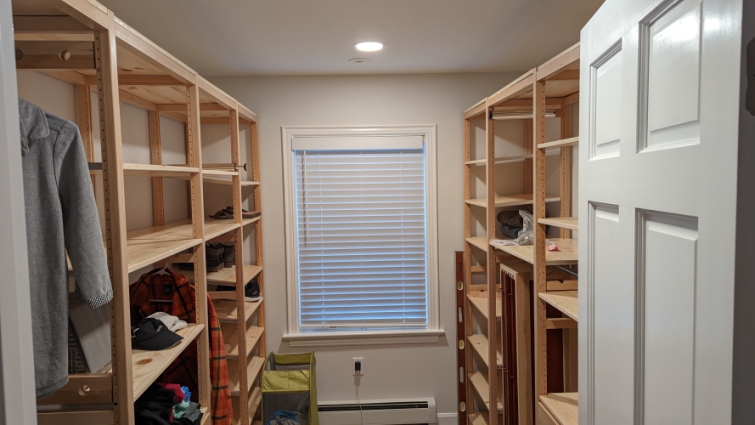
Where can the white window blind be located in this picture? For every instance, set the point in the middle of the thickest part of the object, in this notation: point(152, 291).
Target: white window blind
point(361, 237)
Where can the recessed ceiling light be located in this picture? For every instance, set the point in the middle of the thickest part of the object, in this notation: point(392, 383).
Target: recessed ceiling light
point(358, 60)
point(369, 46)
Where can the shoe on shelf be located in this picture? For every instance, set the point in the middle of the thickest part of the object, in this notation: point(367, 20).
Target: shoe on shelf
point(227, 214)
point(251, 290)
point(244, 213)
point(214, 255)
point(229, 255)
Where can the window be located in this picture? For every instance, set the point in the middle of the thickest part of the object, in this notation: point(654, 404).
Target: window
point(361, 231)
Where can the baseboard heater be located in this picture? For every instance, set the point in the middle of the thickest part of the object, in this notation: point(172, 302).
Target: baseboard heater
point(379, 412)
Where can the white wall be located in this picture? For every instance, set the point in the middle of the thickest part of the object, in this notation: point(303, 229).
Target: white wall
point(390, 371)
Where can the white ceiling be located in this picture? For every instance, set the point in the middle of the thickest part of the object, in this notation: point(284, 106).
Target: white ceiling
point(287, 37)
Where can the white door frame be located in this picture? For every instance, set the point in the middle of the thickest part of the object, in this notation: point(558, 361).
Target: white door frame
point(17, 389)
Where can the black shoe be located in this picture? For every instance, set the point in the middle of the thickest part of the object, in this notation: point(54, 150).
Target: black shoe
point(214, 255)
point(229, 255)
point(251, 290)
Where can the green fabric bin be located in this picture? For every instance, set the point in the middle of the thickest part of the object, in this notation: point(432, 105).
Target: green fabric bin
point(288, 383)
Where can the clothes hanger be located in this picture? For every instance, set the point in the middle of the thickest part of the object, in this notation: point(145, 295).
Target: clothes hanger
point(162, 271)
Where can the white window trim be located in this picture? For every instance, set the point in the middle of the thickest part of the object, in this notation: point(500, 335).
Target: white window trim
point(309, 339)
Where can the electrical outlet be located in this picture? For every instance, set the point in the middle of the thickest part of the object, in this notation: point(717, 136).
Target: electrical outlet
point(358, 366)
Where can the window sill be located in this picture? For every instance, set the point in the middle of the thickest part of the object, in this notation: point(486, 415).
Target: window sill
point(325, 339)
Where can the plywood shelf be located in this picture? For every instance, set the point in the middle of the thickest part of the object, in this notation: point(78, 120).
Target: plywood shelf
point(501, 159)
point(481, 304)
point(231, 337)
point(510, 200)
point(227, 276)
point(229, 182)
point(150, 245)
point(567, 253)
point(248, 221)
point(253, 369)
point(227, 310)
point(479, 242)
point(147, 366)
point(566, 302)
point(564, 407)
point(214, 227)
point(572, 141)
point(480, 385)
point(480, 345)
point(571, 223)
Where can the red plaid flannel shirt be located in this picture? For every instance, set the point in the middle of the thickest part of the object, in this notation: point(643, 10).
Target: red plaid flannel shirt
point(176, 288)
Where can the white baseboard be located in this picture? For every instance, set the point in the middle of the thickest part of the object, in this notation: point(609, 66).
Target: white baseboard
point(447, 418)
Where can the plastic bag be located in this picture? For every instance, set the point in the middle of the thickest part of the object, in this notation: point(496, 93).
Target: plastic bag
point(528, 228)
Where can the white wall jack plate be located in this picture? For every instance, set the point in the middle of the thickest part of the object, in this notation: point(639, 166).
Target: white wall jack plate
point(358, 366)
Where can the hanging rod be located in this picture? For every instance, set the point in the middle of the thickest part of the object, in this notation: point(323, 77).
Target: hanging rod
point(501, 116)
point(567, 270)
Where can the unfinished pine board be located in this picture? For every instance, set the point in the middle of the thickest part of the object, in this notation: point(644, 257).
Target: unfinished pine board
point(211, 172)
point(205, 415)
point(216, 227)
point(227, 276)
point(481, 304)
point(563, 407)
point(566, 302)
point(229, 182)
point(500, 160)
point(248, 221)
point(480, 384)
point(510, 200)
point(151, 170)
point(477, 110)
point(477, 419)
point(227, 310)
point(231, 337)
point(479, 242)
point(147, 366)
point(150, 245)
point(567, 253)
point(254, 402)
point(571, 223)
point(253, 369)
point(572, 141)
point(480, 344)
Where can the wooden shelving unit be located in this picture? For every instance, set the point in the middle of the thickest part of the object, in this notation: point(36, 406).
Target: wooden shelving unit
point(122, 65)
point(544, 92)
point(567, 302)
point(558, 409)
point(245, 354)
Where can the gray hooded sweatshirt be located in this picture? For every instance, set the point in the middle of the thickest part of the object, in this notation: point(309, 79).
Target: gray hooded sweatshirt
point(61, 215)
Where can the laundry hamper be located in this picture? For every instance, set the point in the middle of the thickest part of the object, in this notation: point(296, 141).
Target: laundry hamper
point(288, 384)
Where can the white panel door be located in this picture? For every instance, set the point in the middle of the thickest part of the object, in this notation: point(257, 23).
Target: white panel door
point(658, 185)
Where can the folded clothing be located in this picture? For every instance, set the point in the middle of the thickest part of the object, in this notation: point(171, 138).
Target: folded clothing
point(155, 406)
point(163, 404)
